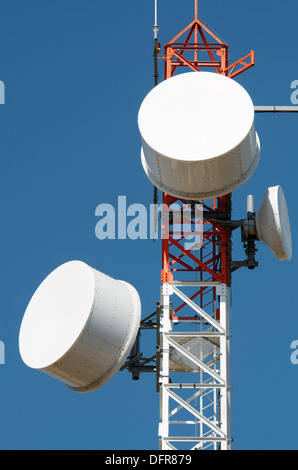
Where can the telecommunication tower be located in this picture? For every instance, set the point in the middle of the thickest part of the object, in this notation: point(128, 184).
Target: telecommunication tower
point(198, 145)
point(193, 353)
point(202, 350)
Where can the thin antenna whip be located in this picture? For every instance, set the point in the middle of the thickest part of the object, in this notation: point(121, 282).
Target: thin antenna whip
point(156, 47)
point(196, 9)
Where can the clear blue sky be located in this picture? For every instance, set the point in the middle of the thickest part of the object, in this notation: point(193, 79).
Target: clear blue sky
point(75, 74)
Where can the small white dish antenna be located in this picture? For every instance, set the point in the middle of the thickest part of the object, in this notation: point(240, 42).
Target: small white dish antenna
point(80, 326)
point(273, 224)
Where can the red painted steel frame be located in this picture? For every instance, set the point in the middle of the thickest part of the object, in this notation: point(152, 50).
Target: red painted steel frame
point(175, 52)
point(213, 261)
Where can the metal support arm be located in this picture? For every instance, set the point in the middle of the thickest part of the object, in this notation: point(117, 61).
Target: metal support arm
point(276, 109)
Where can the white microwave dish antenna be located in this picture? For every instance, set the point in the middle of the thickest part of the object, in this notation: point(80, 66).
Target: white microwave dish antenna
point(80, 326)
point(273, 224)
point(198, 135)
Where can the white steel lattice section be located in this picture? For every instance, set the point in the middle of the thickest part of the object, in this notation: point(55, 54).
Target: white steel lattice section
point(194, 376)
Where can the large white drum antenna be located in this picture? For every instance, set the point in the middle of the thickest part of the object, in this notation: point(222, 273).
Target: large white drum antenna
point(80, 326)
point(198, 135)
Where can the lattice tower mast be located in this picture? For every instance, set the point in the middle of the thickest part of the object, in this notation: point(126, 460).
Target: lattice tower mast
point(194, 351)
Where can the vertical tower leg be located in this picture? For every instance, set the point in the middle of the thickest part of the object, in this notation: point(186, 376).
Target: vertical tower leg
point(223, 293)
point(164, 375)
